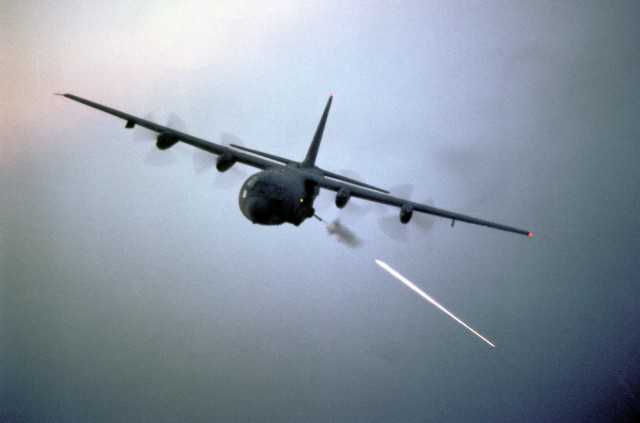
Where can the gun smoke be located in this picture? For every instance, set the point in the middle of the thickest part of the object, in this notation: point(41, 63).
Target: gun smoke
point(344, 234)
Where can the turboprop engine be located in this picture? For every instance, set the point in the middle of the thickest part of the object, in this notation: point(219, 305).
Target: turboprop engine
point(342, 197)
point(225, 161)
point(166, 140)
point(406, 211)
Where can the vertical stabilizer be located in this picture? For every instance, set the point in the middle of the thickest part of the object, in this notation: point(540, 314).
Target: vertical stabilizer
point(310, 160)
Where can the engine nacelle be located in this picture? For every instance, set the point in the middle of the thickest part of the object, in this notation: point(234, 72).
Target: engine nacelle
point(166, 140)
point(406, 211)
point(342, 197)
point(225, 161)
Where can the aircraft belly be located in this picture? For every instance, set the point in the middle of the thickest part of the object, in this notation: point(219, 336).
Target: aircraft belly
point(274, 199)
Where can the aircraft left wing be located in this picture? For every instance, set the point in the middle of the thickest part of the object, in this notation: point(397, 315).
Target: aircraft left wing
point(168, 136)
point(407, 206)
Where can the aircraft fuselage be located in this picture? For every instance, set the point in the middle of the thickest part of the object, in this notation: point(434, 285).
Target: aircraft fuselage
point(276, 196)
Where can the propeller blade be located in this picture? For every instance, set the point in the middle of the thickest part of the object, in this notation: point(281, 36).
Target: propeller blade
point(160, 158)
point(141, 134)
point(175, 122)
point(393, 228)
point(228, 139)
point(203, 161)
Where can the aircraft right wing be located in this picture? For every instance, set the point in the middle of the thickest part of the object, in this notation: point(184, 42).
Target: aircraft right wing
point(167, 137)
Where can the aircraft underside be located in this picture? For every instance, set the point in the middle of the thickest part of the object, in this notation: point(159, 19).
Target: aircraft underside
point(275, 197)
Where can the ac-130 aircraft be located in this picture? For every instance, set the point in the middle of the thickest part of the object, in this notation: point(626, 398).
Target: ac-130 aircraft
point(284, 190)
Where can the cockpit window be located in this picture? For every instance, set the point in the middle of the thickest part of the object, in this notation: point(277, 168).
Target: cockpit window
point(252, 181)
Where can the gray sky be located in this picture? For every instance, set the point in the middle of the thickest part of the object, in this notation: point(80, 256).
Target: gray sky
point(131, 292)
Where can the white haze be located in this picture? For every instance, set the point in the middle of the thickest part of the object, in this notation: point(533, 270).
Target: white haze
point(131, 292)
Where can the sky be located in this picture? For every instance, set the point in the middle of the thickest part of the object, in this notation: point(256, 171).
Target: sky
point(135, 290)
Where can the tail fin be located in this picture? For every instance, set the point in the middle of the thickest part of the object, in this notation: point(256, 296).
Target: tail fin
point(310, 160)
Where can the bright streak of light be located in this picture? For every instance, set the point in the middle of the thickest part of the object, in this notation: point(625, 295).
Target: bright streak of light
point(407, 282)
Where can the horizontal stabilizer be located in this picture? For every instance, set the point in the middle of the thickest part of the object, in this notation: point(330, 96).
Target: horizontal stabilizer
point(352, 181)
point(260, 153)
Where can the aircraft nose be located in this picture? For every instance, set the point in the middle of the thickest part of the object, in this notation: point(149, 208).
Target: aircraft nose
point(257, 209)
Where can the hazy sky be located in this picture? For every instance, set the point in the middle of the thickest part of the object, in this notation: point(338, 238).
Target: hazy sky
point(133, 292)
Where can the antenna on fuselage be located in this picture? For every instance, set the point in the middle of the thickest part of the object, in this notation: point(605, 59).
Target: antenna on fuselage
point(310, 159)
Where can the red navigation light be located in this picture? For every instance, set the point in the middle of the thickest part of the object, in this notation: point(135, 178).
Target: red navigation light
point(530, 234)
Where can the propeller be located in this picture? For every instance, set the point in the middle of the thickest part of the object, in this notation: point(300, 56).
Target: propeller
point(388, 219)
point(203, 161)
point(354, 211)
point(156, 157)
point(390, 223)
